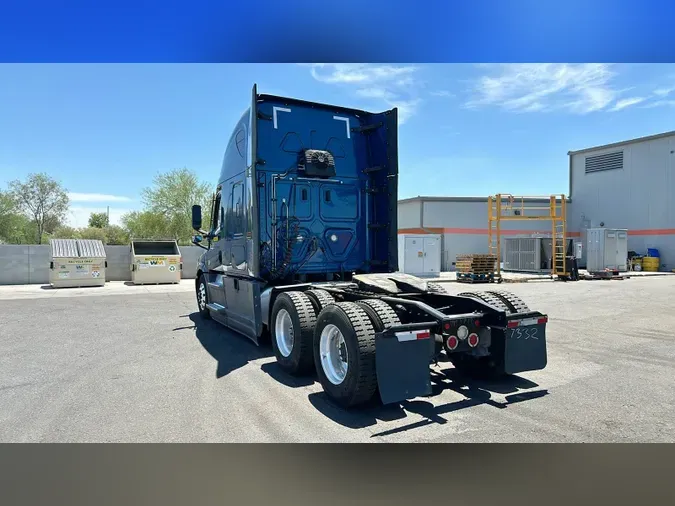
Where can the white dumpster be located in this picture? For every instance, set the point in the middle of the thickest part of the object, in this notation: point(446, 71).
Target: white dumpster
point(154, 262)
point(77, 262)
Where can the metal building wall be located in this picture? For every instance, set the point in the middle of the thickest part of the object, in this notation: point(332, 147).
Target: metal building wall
point(462, 222)
point(638, 196)
point(409, 214)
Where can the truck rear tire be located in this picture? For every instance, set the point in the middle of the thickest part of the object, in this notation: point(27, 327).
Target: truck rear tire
point(320, 299)
point(344, 354)
point(436, 288)
point(489, 298)
point(292, 326)
point(381, 315)
point(512, 300)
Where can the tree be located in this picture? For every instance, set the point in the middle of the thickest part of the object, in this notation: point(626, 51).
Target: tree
point(65, 232)
point(92, 233)
point(172, 196)
point(146, 225)
point(15, 227)
point(8, 212)
point(116, 235)
point(43, 199)
point(98, 220)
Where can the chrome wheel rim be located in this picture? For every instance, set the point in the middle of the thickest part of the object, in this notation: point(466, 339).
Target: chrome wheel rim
point(201, 296)
point(334, 356)
point(283, 331)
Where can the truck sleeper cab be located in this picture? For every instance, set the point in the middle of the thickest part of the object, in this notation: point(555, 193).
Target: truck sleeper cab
point(302, 246)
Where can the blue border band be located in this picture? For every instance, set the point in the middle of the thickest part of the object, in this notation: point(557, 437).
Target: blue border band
point(332, 31)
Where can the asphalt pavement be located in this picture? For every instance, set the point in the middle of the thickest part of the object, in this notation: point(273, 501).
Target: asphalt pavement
point(138, 364)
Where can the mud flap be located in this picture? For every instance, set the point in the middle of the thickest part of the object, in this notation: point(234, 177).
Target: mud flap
point(402, 364)
point(524, 348)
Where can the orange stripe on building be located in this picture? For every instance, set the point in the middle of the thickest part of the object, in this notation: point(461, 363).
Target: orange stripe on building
point(484, 231)
point(655, 231)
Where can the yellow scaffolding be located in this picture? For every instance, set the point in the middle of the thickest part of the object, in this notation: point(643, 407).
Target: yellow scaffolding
point(504, 206)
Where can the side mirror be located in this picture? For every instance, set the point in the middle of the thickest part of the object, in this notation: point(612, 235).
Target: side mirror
point(197, 239)
point(197, 217)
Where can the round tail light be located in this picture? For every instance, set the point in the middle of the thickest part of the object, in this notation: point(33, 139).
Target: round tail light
point(462, 332)
point(452, 342)
point(473, 340)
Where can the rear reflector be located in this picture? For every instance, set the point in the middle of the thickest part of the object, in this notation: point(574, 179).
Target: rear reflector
point(413, 336)
point(527, 321)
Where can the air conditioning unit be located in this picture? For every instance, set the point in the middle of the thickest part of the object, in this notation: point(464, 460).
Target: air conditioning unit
point(530, 254)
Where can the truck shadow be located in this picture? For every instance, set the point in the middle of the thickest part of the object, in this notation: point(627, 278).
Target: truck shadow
point(230, 349)
point(496, 393)
point(277, 374)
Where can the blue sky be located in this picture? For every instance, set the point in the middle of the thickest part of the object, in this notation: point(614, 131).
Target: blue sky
point(106, 130)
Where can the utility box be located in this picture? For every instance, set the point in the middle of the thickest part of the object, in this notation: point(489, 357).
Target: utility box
point(419, 254)
point(76, 262)
point(154, 262)
point(606, 248)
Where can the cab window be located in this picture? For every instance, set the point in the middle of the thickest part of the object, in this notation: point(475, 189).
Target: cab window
point(216, 217)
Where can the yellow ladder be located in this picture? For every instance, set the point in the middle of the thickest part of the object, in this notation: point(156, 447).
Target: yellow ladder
point(494, 229)
point(559, 236)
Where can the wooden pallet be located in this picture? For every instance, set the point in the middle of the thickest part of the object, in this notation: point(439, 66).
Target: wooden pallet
point(476, 263)
point(605, 275)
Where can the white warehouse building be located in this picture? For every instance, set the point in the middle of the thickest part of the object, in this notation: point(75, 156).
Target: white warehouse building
point(629, 185)
point(625, 185)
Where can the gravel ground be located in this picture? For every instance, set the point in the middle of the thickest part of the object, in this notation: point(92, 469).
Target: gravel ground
point(146, 368)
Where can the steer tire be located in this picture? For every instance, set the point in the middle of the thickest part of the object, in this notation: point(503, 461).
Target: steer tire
point(320, 299)
point(201, 304)
point(360, 382)
point(299, 307)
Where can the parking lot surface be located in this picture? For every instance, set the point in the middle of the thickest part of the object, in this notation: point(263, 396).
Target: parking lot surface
point(138, 364)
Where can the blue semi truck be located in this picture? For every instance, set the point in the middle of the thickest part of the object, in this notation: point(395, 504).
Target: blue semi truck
point(301, 249)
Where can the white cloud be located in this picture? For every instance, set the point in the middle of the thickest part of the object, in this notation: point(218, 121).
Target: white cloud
point(78, 216)
point(663, 92)
point(577, 88)
point(374, 93)
point(627, 102)
point(661, 103)
point(96, 197)
point(406, 108)
point(350, 73)
point(390, 85)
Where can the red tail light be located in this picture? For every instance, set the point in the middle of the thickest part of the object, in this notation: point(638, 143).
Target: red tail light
point(446, 326)
point(473, 340)
point(452, 342)
point(513, 324)
point(543, 319)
